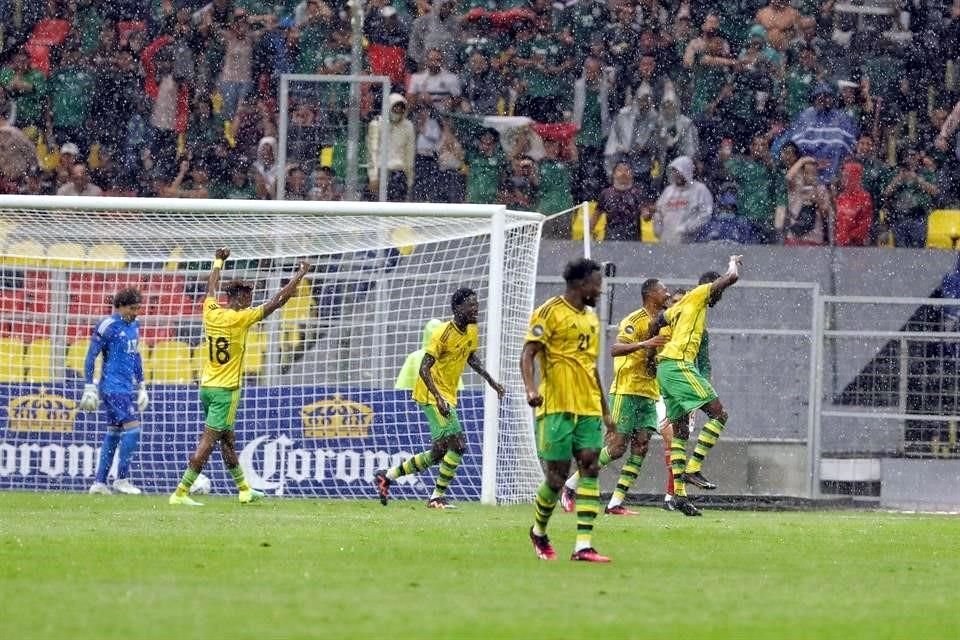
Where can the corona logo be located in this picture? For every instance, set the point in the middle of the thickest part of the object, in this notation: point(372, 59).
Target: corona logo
point(41, 412)
point(336, 418)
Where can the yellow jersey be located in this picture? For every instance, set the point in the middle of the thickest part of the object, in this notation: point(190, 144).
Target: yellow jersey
point(451, 348)
point(630, 371)
point(687, 320)
point(568, 361)
point(225, 331)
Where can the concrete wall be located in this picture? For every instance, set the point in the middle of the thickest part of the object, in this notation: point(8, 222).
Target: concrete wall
point(906, 484)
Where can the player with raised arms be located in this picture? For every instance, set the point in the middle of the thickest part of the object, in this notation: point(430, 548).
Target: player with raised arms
point(683, 386)
point(633, 397)
point(117, 338)
point(570, 403)
point(225, 330)
point(452, 345)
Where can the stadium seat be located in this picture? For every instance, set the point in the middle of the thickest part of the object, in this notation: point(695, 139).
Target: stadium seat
point(152, 334)
point(293, 316)
point(255, 356)
point(647, 233)
point(66, 255)
point(109, 255)
point(79, 332)
point(27, 253)
point(39, 361)
point(11, 360)
point(198, 359)
point(943, 229)
point(76, 355)
point(169, 362)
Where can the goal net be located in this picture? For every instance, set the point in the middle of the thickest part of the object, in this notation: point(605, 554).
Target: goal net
point(319, 412)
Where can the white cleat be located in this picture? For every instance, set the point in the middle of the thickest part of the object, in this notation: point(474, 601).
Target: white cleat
point(98, 488)
point(124, 485)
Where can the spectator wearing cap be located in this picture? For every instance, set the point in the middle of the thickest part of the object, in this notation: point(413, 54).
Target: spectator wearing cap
point(824, 132)
point(69, 153)
point(26, 87)
point(400, 153)
point(438, 29)
point(856, 102)
point(79, 184)
point(684, 207)
point(592, 114)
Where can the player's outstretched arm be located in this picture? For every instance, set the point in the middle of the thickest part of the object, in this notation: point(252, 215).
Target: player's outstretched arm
point(477, 366)
point(213, 280)
point(425, 366)
point(287, 291)
point(608, 420)
point(618, 349)
point(727, 279)
point(527, 359)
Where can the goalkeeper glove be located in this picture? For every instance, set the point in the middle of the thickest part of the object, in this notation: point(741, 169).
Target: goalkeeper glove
point(90, 399)
point(143, 400)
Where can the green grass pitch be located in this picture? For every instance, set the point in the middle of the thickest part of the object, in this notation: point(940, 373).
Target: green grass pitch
point(78, 566)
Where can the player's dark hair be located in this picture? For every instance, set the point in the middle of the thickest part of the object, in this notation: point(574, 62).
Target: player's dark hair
point(236, 287)
point(460, 296)
point(130, 295)
point(581, 269)
point(708, 277)
point(647, 287)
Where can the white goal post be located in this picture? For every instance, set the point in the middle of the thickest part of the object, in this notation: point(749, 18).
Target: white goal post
point(319, 412)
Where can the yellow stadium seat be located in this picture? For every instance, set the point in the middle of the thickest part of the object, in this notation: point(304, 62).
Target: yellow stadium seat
point(67, 255)
point(29, 253)
point(11, 360)
point(646, 231)
point(39, 358)
point(294, 316)
point(109, 255)
point(599, 230)
point(943, 229)
point(76, 355)
point(255, 355)
point(168, 362)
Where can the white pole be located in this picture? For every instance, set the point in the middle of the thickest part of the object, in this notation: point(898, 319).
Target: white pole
point(384, 140)
point(494, 328)
point(814, 428)
point(585, 215)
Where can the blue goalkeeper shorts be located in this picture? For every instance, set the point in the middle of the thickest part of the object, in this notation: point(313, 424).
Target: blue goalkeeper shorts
point(119, 409)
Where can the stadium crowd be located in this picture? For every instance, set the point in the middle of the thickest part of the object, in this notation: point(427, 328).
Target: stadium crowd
point(807, 122)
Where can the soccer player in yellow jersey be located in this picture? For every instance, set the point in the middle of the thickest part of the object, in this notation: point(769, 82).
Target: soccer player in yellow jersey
point(570, 403)
point(225, 331)
point(633, 397)
point(451, 347)
point(684, 388)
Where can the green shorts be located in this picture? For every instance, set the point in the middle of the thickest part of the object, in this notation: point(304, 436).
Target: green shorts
point(219, 407)
point(559, 435)
point(633, 412)
point(684, 389)
point(441, 427)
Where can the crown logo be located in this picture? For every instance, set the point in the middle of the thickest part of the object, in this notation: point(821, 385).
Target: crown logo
point(42, 412)
point(336, 418)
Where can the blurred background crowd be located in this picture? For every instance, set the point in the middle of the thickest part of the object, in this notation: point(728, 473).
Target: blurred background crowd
point(754, 121)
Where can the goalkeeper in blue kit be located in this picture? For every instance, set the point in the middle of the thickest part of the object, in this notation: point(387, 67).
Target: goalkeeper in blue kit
point(122, 389)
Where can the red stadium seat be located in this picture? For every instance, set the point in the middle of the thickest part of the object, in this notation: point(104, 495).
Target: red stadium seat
point(78, 332)
point(153, 334)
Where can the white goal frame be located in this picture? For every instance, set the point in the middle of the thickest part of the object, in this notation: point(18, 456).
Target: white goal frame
point(497, 215)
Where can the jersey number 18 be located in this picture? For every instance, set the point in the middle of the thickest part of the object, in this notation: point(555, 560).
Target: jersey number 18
point(219, 349)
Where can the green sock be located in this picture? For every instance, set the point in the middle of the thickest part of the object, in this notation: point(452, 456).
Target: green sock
point(189, 476)
point(629, 473)
point(448, 467)
point(237, 474)
point(416, 464)
point(705, 441)
point(588, 506)
point(544, 502)
point(605, 458)
point(678, 463)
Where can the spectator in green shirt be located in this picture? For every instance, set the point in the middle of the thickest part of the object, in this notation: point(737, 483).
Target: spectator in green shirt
point(484, 164)
point(754, 175)
point(27, 88)
point(554, 188)
point(71, 91)
point(909, 197)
